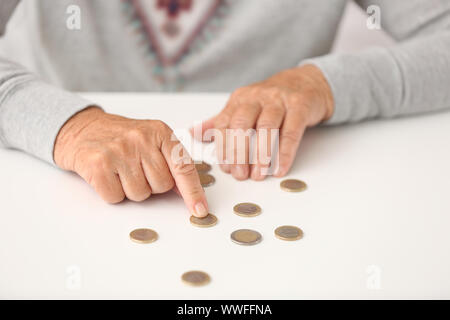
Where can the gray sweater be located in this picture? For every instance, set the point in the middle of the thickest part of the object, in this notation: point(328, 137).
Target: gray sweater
point(240, 42)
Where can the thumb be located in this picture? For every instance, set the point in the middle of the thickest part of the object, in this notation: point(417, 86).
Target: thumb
point(199, 132)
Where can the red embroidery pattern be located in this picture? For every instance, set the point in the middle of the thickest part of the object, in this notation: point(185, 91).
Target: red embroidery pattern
point(150, 32)
point(201, 35)
point(173, 7)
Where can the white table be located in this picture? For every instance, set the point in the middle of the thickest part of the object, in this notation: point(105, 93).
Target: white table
point(376, 217)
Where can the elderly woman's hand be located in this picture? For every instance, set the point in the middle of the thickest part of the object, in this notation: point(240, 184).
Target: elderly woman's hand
point(290, 101)
point(121, 157)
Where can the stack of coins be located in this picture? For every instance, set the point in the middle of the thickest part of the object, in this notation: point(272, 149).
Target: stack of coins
point(202, 167)
point(206, 179)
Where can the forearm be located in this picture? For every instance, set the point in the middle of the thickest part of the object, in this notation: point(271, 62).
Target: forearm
point(410, 78)
point(32, 112)
point(70, 132)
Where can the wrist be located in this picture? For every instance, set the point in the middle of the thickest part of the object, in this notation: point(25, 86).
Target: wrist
point(309, 82)
point(319, 91)
point(68, 134)
point(323, 90)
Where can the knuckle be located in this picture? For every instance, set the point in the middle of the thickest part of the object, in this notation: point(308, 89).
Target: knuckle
point(195, 192)
point(168, 185)
point(240, 122)
point(255, 91)
point(292, 136)
point(137, 134)
point(183, 168)
point(109, 193)
point(285, 157)
point(99, 161)
point(277, 111)
point(119, 146)
point(161, 126)
point(271, 92)
point(114, 198)
point(266, 124)
point(164, 185)
point(271, 118)
point(163, 131)
point(221, 121)
point(294, 99)
point(140, 196)
point(238, 92)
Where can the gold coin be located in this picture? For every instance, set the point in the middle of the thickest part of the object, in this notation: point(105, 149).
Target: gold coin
point(206, 222)
point(206, 180)
point(288, 233)
point(293, 185)
point(196, 278)
point(246, 237)
point(247, 209)
point(202, 167)
point(143, 235)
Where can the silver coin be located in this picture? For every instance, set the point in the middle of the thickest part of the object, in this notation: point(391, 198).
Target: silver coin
point(143, 235)
point(288, 233)
point(247, 209)
point(196, 278)
point(293, 185)
point(246, 237)
point(208, 221)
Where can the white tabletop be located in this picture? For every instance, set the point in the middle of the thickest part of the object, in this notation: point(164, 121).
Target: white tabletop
point(376, 217)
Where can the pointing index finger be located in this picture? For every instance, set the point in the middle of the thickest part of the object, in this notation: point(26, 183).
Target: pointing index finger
point(186, 177)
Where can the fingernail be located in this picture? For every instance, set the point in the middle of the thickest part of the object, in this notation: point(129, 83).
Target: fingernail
point(254, 173)
point(200, 210)
point(225, 168)
point(240, 171)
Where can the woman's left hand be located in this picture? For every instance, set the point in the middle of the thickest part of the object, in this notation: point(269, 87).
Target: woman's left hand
point(289, 101)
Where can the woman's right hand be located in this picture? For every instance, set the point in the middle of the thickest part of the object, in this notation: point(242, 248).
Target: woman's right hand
point(121, 157)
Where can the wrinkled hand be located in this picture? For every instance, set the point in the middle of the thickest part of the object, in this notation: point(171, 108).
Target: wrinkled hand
point(290, 101)
point(122, 157)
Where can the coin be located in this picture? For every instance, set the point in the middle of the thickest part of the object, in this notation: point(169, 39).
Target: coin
point(247, 209)
point(143, 235)
point(196, 278)
point(288, 233)
point(293, 185)
point(246, 237)
point(206, 180)
point(208, 221)
point(202, 167)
